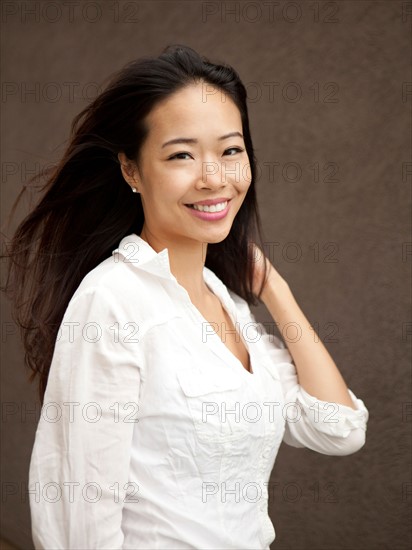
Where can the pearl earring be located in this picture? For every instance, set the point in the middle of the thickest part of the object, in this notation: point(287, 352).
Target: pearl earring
point(134, 190)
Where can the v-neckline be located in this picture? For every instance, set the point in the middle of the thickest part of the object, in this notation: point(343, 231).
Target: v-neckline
point(240, 337)
point(220, 342)
point(215, 336)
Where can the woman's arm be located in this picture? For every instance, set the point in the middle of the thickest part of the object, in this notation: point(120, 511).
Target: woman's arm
point(317, 372)
point(79, 469)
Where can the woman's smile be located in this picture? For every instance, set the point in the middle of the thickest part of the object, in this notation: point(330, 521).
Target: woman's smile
point(211, 212)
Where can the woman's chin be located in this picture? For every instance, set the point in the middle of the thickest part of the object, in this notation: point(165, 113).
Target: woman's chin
point(210, 235)
point(214, 239)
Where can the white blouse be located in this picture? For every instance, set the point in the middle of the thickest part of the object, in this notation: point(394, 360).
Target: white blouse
point(152, 434)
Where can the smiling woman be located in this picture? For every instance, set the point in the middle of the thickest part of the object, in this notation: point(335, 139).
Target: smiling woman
point(164, 400)
point(207, 181)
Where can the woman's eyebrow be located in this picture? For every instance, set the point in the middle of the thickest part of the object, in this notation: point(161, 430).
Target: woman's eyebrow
point(192, 140)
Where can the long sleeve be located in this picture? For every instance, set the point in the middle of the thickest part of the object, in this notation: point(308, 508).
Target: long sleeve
point(78, 479)
point(328, 428)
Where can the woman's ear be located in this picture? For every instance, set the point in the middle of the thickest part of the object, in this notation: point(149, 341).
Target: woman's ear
point(129, 170)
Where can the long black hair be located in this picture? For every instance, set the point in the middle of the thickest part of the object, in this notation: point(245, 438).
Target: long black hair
point(87, 207)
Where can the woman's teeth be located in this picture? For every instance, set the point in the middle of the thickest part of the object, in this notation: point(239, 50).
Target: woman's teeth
point(209, 208)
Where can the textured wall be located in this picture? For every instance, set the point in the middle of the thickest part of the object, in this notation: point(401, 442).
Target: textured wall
point(330, 105)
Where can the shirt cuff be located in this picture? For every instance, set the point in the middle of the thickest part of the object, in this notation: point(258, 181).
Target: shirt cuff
point(333, 418)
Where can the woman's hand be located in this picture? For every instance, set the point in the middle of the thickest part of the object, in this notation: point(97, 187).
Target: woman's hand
point(259, 259)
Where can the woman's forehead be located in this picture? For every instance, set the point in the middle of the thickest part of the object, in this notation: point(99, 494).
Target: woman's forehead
point(187, 114)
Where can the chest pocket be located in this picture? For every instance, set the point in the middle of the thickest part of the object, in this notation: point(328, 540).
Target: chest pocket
point(214, 404)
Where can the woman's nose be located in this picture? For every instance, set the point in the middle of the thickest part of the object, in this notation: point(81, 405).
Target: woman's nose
point(215, 174)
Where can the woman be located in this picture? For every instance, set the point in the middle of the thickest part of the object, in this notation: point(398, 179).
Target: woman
point(164, 401)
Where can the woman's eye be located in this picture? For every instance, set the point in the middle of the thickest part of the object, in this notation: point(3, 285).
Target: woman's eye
point(236, 149)
point(177, 155)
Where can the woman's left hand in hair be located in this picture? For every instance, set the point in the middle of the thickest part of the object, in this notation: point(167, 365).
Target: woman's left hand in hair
point(272, 275)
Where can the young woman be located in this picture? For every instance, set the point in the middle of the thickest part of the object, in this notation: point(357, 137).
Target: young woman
point(164, 401)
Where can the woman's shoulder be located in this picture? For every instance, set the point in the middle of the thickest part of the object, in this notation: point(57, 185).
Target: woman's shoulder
point(130, 284)
point(108, 276)
point(115, 282)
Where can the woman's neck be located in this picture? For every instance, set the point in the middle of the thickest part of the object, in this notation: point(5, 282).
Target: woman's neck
point(187, 260)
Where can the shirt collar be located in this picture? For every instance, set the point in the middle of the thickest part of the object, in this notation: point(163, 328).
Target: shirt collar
point(141, 255)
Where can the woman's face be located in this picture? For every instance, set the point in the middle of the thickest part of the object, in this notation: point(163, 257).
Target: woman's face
point(208, 165)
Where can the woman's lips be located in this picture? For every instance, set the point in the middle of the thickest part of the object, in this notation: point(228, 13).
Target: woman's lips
point(210, 202)
point(209, 216)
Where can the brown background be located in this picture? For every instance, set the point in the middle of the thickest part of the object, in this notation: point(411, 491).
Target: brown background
point(341, 229)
